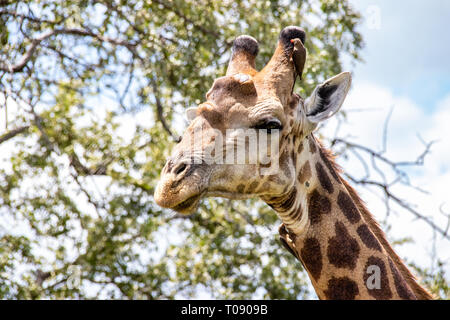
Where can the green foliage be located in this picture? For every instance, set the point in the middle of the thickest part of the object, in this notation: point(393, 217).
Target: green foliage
point(435, 280)
point(77, 216)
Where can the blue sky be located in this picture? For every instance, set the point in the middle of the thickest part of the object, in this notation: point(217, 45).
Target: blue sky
point(410, 51)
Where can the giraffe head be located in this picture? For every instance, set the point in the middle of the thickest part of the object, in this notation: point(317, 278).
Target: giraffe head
point(243, 110)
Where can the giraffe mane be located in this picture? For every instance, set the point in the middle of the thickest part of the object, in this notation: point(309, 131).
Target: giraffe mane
point(420, 292)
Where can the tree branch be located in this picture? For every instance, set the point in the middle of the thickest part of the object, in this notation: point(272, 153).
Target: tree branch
point(159, 109)
point(402, 203)
point(15, 14)
point(11, 134)
point(18, 67)
point(418, 161)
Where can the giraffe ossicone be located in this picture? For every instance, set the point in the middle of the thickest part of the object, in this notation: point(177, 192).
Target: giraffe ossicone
point(325, 224)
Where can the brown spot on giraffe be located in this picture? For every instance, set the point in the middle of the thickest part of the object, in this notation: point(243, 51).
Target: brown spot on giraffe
point(341, 289)
point(284, 160)
point(318, 206)
point(293, 104)
point(312, 144)
point(403, 291)
point(300, 148)
point(252, 187)
point(330, 166)
point(324, 180)
point(312, 257)
point(348, 207)
point(304, 173)
point(240, 188)
point(368, 238)
point(384, 291)
point(343, 250)
point(294, 156)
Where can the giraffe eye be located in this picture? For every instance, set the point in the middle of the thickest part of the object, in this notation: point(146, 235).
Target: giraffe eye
point(269, 125)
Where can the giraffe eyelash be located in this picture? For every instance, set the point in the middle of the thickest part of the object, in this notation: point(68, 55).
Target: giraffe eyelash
point(272, 124)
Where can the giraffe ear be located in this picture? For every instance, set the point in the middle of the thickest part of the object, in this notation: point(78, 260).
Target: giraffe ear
point(328, 97)
point(191, 113)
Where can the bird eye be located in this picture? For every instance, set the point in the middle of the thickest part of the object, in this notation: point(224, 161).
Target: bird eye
point(269, 125)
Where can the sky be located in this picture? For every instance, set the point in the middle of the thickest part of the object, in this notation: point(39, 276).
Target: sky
point(407, 48)
point(406, 69)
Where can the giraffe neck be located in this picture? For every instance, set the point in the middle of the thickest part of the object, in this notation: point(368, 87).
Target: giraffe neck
point(334, 236)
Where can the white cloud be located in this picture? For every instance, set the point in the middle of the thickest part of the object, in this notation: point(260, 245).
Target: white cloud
point(407, 53)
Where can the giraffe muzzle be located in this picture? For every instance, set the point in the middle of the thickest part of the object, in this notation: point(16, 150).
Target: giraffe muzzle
point(180, 187)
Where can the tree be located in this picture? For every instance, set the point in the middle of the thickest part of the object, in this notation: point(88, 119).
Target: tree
point(91, 93)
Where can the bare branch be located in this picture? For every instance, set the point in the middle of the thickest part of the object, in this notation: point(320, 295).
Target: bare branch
point(98, 170)
point(18, 67)
point(28, 55)
point(97, 205)
point(402, 203)
point(419, 160)
point(11, 134)
point(398, 167)
point(159, 109)
point(27, 17)
point(447, 216)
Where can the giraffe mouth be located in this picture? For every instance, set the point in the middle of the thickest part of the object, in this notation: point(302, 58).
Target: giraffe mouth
point(188, 205)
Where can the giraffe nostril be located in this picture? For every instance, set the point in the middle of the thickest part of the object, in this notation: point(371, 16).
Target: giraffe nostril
point(180, 169)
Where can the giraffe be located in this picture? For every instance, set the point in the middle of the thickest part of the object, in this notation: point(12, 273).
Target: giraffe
point(325, 224)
